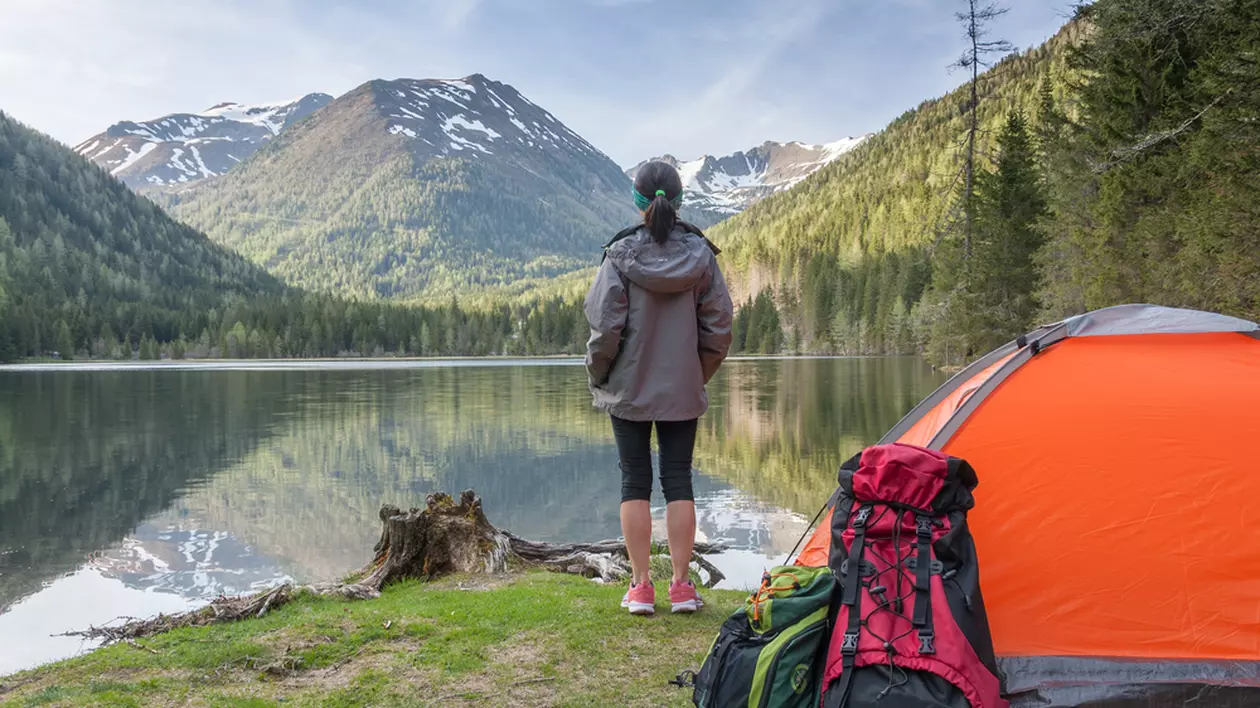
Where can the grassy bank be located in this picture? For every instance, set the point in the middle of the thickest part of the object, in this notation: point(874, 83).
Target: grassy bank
point(536, 639)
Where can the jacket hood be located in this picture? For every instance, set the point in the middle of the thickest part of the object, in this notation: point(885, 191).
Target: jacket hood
point(672, 267)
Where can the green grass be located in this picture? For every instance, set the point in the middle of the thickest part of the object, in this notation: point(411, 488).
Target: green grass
point(532, 639)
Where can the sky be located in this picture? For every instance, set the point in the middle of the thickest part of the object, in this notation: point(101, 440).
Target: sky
point(636, 78)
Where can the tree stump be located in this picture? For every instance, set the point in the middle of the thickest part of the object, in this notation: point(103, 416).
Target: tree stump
point(446, 538)
point(441, 539)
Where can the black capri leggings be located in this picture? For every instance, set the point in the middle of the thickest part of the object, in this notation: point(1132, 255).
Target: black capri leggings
point(677, 441)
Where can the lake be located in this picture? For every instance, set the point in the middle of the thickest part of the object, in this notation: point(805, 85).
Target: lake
point(126, 491)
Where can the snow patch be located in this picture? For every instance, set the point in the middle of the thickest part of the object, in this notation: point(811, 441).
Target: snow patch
point(461, 85)
point(461, 143)
point(833, 150)
point(108, 148)
point(192, 128)
point(411, 114)
point(450, 94)
point(269, 116)
point(690, 171)
point(177, 161)
point(462, 122)
point(503, 104)
point(396, 129)
point(133, 157)
point(142, 132)
point(523, 128)
point(205, 171)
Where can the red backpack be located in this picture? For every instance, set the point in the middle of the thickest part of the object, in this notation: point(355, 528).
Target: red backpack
point(910, 626)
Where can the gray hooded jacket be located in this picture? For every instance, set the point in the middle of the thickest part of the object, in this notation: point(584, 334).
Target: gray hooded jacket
point(660, 318)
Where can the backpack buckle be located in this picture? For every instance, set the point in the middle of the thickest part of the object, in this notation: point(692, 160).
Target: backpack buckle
point(923, 526)
point(859, 519)
point(849, 644)
point(926, 642)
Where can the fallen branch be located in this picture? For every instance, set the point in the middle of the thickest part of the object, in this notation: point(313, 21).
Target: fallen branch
point(445, 537)
point(137, 645)
point(715, 575)
point(222, 609)
point(9, 687)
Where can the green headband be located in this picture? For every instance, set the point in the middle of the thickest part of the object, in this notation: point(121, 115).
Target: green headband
point(643, 202)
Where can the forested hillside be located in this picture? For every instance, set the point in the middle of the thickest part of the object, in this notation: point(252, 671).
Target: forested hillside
point(80, 254)
point(89, 269)
point(1117, 163)
point(847, 251)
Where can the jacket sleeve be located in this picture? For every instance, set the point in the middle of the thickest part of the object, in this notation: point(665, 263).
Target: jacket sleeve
point(606, 309)
point(714, 311)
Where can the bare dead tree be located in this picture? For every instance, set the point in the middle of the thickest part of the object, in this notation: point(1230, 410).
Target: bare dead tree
point(975, 20)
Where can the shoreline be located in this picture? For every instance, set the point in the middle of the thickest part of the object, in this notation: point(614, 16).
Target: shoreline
point(367, 363)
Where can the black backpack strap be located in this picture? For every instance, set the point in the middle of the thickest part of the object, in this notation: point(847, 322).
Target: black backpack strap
point(852, 599)
point(923, 585)
point(693, 229)
point(629, 230)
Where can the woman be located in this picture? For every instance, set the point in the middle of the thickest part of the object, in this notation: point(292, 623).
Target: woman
point(660, 318)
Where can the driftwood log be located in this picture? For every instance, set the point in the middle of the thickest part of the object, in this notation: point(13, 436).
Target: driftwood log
point(444, 538)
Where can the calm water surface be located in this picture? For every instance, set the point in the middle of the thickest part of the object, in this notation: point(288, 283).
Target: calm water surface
point(137, 491)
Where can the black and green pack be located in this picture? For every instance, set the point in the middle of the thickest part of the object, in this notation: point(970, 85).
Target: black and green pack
point(771, 652)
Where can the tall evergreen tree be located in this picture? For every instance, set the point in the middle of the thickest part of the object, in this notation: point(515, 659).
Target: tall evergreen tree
point(1010, 202)
point(63, 342)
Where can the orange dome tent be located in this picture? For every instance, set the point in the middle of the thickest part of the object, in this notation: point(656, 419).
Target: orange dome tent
point(1118, 513)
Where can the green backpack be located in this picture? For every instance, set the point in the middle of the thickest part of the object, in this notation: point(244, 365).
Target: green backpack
point(771, 652)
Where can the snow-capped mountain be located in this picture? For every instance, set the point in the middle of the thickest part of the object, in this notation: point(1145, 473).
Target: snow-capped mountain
point(410, 187)
point(475, 116)
point(718, 187)
point(184, 148)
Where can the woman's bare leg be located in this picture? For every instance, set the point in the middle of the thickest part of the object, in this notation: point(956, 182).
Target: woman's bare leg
point(636, 526)
point(680, 520)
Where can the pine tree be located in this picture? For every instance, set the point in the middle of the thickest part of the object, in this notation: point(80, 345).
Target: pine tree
point(63, 342)
point(8, 350)
point(739, 327)
point(1010, 202)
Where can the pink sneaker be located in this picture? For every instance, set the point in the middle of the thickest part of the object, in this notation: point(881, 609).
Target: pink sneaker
point(640, 599)
point(684, 598)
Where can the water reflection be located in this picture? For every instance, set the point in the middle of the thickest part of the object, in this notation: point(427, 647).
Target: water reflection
point(186, 484)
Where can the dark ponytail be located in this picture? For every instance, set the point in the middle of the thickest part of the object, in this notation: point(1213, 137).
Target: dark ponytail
point(658, 192)
point(660, 217)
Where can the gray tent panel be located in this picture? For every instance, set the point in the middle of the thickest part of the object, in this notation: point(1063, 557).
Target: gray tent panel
point(1077, 682)
point(1153, 319)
